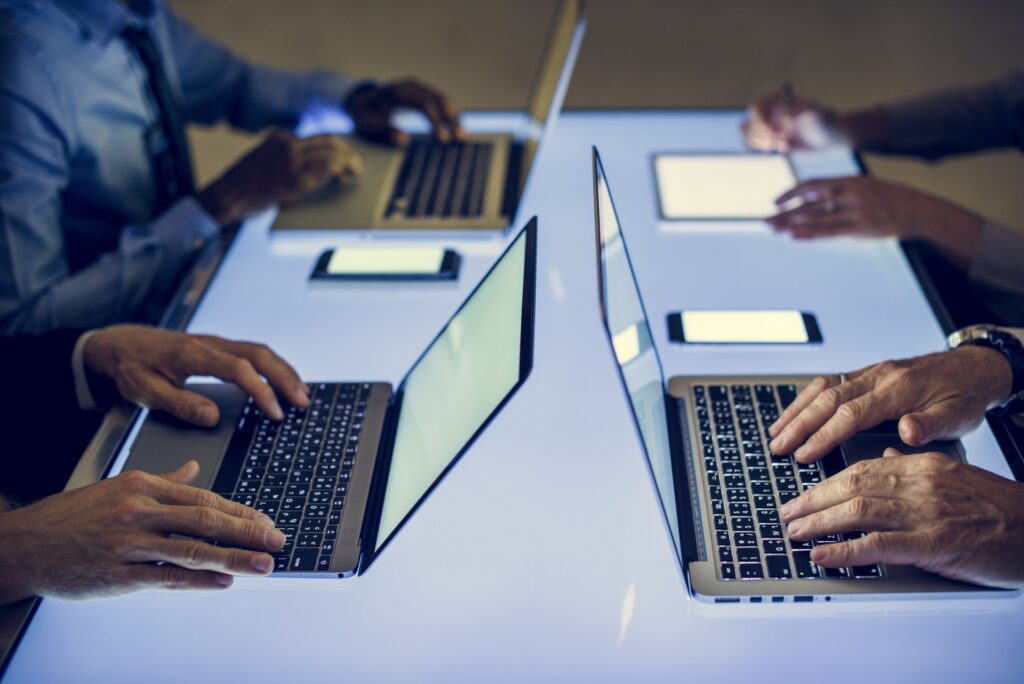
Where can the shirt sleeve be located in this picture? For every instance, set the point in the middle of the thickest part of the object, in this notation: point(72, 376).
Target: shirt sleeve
point(958, 121)
point(37, 289)
point(219, 86)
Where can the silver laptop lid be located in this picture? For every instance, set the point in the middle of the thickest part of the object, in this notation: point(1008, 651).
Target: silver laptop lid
point(626, 323)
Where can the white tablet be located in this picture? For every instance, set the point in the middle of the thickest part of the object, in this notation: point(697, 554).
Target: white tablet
point(721, 186)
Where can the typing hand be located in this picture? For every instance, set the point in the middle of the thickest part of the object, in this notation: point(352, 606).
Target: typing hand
point(104, 539)
point(782, 122)
point(280, 171)
point(926, 510)
point(938, 396)
point(372, 107)
point(149, 366)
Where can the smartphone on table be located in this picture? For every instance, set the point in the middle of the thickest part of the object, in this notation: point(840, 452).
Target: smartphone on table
point(387, 263)
point(776, 327)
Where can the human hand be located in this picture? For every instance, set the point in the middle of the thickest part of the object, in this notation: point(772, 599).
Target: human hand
point(938, 396)
point(867, 207)
point(105, 539)
point(371, 110)
point(782, 122)
point(149, 366)
point(926, 510)
point(281, 170)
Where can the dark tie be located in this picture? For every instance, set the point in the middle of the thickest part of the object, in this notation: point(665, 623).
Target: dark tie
point(172, 164)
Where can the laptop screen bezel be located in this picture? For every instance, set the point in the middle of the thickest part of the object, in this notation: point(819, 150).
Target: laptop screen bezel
point(370, 549)
point(683, 546)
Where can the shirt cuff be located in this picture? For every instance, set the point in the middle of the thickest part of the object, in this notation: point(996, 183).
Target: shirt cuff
point(183, 229)
point(86, 401)
point(996, 259)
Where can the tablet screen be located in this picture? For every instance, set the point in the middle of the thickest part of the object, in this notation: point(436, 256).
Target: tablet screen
point(721, 186)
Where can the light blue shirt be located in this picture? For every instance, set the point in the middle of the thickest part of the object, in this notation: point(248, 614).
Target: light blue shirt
point(80, 244)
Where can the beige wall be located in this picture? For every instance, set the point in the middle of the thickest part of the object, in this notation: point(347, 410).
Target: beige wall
point(653, 53)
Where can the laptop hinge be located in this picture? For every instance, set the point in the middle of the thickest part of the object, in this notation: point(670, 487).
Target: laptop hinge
point(378, 484)
point(513, 169)
point(685, 476)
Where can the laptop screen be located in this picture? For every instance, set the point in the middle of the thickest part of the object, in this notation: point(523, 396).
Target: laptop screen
point(467, 372)
point(629, 332)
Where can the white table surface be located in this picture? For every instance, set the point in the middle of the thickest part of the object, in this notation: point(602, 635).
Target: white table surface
point(543, 556)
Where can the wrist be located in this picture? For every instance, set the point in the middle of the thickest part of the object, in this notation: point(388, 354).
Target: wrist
point(221, 200)
point(997, 373)
point(862, 128)
point(15, 560)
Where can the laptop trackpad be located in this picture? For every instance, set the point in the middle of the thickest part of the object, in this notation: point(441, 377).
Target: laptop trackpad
point(166, 443)
point(873, 443)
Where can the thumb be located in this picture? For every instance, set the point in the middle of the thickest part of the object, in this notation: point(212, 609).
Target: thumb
point(186, 474)
point(938, 421)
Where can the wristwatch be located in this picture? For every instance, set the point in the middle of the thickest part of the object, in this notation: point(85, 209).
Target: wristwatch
point(1006, 344)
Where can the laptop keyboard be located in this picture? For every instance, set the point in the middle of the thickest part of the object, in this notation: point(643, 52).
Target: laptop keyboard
point(297, 470)
point(747, 484)
point(439, 180)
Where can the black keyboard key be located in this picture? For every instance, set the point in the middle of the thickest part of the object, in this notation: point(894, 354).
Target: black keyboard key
point(751, 571)
point(804, 568)
point(834, 573)
point(744, 539)
point(770, 531)
point(281, 562)
point(787, 496)
point(725, 554)
point(315, 539)
point(787, 393)
point(758, 475)
point(742, 524)
point(720, 523)
point(763, 502)
point(728, 571)
point(833, 463)
point(736, 495)
point(866, 571)
point(722, 538)
point(761, 488)
point(774, 547)
point(778, 567)
point(735, 481)
point(304, 560)
point(768, 516)
point(718, 393)
point(718, 507)
point(741, 509)
point(748, 554)
point(786, 484)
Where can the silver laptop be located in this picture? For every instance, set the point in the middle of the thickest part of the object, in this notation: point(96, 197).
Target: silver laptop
point(705, 439)
point(341, 477)
point(468, 185)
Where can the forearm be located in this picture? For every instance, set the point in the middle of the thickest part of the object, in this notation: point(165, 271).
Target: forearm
point(15, 578)
point(952, 122)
